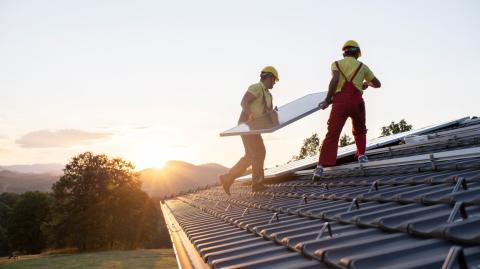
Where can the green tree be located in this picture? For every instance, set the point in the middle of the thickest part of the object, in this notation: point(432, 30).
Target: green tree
point(4, 215)
point(9, 198)
point(309, 148)
point(99, 205)
point(395, 128)
point(345, 140)
point(25, 224)
point(4, 247)
point(7, 201)
point(161, 239)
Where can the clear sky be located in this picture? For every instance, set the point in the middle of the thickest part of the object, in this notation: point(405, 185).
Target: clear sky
point(157, 80)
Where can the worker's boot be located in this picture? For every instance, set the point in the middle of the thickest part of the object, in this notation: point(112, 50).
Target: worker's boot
point(226, 183)
point(317, 173)
point(362, 159)
point(258, 187)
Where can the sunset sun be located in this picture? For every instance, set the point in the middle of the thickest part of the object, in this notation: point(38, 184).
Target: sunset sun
point(145, 156)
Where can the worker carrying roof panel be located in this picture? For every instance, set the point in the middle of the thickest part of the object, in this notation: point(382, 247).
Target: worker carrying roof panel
point(350, 78)
point(256, 102)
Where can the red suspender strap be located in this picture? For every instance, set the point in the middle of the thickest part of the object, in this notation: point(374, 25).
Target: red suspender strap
point(354, 74)
point(356, 71)
point(340, 70)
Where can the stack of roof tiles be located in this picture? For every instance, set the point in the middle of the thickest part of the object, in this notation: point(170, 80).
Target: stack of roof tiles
point(413, 206)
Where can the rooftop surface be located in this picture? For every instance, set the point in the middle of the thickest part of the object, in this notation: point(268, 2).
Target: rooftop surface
point(414, 205)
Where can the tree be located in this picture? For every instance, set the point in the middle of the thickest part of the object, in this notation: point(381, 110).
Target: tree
point(9, 198)
point(309, 148)
point(5, 212)
point(345, 140)
point(4, 247)
point(25, 224)
point(7, 201)
point(395, 128)
point(99, 205)
point(161, 239)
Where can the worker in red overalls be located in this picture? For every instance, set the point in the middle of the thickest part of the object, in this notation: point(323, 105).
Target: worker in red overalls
point(350, 78)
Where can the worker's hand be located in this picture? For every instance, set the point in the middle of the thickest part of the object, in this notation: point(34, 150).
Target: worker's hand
point(367, 84)
point(323, 105)
point(274, 117)
point(250, 117)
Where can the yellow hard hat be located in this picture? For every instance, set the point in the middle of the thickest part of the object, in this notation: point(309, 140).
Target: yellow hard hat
point(271, 70)
point(350, 43)
point(354, 44)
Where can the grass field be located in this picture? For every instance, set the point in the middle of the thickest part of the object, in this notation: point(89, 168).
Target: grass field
point(141, 259)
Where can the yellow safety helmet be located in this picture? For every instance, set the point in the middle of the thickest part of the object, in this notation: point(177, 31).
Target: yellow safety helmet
point(352, 43)
point(271, 70)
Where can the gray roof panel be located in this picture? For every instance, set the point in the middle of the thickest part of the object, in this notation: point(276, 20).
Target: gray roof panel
point(399, 211)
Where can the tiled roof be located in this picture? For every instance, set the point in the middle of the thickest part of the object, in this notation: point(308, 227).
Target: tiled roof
point(345, 152)
point(412, 206)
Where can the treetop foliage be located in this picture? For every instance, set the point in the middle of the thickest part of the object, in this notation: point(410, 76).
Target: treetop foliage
point(395, 128)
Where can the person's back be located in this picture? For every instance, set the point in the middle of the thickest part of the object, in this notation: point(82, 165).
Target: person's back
point(348, 65)
point(349, 78)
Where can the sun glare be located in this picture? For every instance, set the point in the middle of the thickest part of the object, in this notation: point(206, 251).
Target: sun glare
point(148, 155)
point(149, 160)
point(152, 148)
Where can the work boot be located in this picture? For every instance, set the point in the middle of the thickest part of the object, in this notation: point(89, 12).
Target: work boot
point(258, 187)
point(226, 183)
point(317, 173)
point(362, 159)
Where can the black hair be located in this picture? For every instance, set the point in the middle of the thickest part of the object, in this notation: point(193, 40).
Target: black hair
point(265, 75)
point(351, 51)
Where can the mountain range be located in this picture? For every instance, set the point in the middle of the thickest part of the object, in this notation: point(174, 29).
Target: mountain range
point(173, 178)
point(39, 168)
point(178, 176)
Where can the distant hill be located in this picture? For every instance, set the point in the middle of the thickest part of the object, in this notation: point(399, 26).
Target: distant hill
point(47, 168)
point(174, 177)
point(178, 176)
point(11, 181)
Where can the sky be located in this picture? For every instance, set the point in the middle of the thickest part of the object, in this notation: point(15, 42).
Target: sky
point(152, 81)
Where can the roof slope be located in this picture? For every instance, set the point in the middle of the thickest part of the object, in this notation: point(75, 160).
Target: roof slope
point(413, 206)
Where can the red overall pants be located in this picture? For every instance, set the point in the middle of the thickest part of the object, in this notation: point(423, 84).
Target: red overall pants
point(348, 103)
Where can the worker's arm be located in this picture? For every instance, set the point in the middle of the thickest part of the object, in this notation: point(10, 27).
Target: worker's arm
point(332, 87)
point(247, 99)
point(374, 83)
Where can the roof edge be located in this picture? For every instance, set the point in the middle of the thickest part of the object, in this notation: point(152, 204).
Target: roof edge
point(185, 253)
